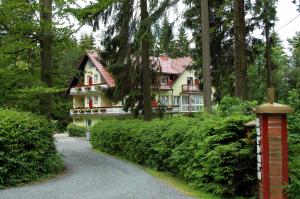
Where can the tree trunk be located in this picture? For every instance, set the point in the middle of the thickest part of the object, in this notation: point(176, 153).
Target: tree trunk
point(206, 56)
point(268, 49)
point(240, 65)
point(46, 54)
point(145, 63)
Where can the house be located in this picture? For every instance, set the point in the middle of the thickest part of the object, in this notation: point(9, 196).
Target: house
point(179, 89)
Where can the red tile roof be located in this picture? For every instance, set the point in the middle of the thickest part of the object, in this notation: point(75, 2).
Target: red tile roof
point(174, 66)
point(108, 78)
point(168, 66)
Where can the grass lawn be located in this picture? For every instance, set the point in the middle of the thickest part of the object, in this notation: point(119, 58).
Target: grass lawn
point(180, 185)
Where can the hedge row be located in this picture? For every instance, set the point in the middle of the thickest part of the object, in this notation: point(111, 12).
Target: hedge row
point(75, 130)
point(27, 149)
point(212, 153)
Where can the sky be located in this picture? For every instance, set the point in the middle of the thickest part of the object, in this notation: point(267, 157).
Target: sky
point(287, 25)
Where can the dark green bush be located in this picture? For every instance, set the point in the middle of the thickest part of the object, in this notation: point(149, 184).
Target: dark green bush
point(75, 130)
point(213, 154)
point(27, 149)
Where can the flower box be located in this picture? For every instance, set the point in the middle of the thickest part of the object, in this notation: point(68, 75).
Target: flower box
point(169, 108)
point(78, 89)
point(88, 110)
point(95, 110)
point(102, 110)
point(75, 111)
point(81, 111)
point(88, 88)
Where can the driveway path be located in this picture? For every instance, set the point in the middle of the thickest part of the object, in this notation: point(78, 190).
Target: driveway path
point(91, 175)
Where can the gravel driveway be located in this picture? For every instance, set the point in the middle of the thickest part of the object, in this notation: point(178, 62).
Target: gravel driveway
point(91, 175)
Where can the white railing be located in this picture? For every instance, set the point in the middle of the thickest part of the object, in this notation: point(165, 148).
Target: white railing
point(98, 111)
point(119, 110)
point(85, 89)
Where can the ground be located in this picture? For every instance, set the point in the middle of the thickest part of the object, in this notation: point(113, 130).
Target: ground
point(93, 175)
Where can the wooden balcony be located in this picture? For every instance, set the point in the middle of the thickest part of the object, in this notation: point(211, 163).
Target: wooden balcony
point(190, 88)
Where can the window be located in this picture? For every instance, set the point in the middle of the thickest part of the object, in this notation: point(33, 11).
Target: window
point(88, 122)
point(196, 101)
point(190, 81)
point(96, 78)
point(164, 100)
point(185, 103)
point(96, 99)
point(185, 99)
point(163, 80)
point(176, 101)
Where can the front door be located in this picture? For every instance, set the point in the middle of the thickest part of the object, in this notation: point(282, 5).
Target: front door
point(91, 103)
point(90, 81)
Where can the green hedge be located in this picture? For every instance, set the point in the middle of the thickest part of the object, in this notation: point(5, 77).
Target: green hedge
point(27, 149)
point(75, 130)
point(213, 154)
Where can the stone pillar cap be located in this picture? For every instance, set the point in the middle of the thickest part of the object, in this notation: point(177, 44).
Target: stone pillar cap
point(273, 108)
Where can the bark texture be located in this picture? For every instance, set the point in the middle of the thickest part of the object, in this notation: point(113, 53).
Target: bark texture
point(145, 63)
point(206, 55)
point(240, 64)
point(46, 54)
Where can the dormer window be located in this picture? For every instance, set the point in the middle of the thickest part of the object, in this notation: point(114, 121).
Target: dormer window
point(164, 80)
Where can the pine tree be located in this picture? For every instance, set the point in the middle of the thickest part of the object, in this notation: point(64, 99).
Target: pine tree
point(182, 46)
point(240, 65)
point(206, 55)
point(166, 37)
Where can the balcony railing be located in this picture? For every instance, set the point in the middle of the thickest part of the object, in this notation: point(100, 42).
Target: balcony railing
point(118, 110)
point(80, 90)
point(98, 110)
point(190, 88)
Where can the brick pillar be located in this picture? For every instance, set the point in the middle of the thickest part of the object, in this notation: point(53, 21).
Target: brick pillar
point(272, 150)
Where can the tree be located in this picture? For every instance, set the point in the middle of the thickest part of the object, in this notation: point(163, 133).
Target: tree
point(206, 56)
point(87, 42)
point(146, 86)
point(127, 44)
point(182, 44)
point(166, 37)
point(46, 53)
point(240, 65)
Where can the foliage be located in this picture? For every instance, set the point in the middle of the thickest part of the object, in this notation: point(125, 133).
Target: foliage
point(75, 130)
point(294, 165)
point(231, 105)
point(27, 149)
point(212, 154)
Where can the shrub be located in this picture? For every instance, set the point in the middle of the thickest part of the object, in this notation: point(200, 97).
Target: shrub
point(213, 154)
point(75, 130)
point(231, 105)
point(294, 166)
point(27, 149)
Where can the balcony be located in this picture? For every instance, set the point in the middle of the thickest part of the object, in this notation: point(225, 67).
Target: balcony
point(82, 90)
point(190, 88)
point(118, 110)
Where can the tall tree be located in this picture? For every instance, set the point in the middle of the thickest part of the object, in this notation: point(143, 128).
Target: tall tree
point(240, 65)
point(182, 44)
point(46, 53)
point(268, 44)
point(145, 61)
point(166, 37)
point(206, 56)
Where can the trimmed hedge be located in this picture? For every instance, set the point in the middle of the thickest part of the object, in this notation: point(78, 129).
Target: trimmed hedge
point(75, 130)
point(213, 154)
point(27, 149)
